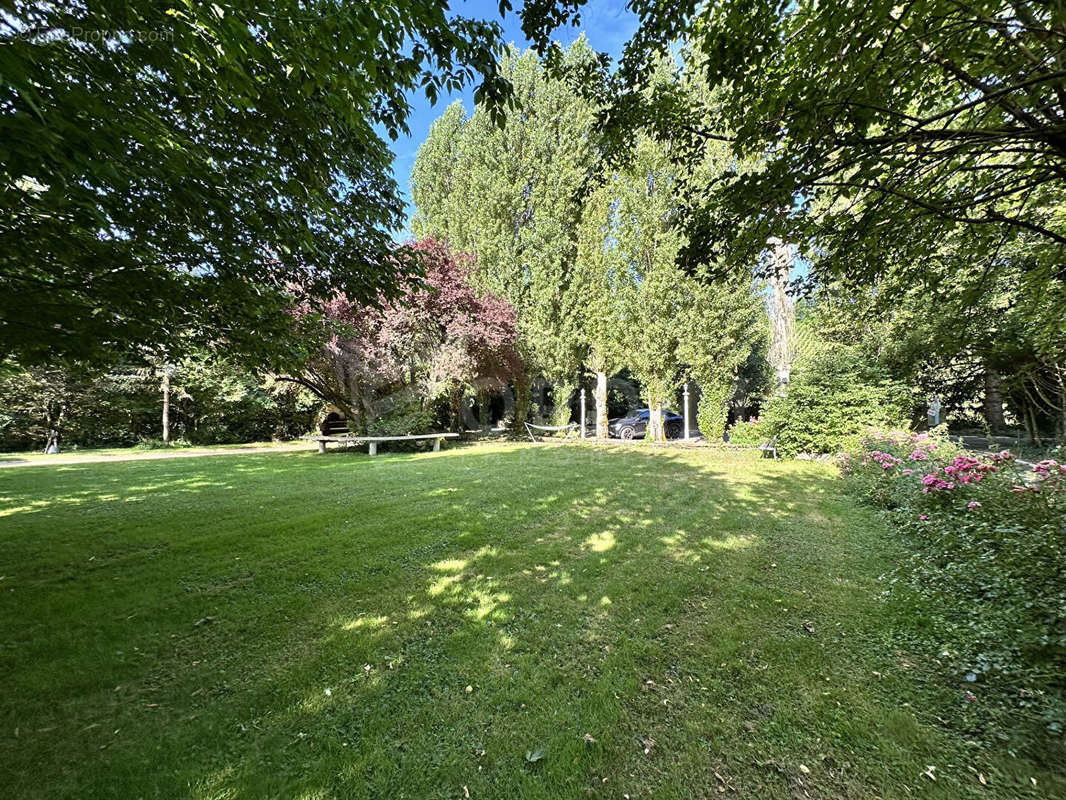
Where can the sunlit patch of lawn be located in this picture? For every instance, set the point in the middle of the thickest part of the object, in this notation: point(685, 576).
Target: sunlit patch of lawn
point(503, 620)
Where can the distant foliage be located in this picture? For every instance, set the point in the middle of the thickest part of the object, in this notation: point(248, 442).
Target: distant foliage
point(512, 194)
point(988, 536)
point(211, 402)
point(833, 396)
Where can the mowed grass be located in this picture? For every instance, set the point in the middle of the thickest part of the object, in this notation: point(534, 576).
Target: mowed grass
point(498, 621)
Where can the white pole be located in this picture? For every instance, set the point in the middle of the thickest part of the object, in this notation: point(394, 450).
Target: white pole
point(582, 413)
point(686, 411)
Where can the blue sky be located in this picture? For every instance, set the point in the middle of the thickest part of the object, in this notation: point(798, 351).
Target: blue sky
point(607, 24)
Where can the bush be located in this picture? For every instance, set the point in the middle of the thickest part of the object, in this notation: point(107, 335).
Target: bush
point(712, 413)
point(159, 444)
point(988, 537)
point(752, 433)
point(408, 420)
point(832, 398)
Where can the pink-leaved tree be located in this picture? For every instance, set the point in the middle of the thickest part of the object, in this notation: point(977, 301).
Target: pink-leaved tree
point(440, 338)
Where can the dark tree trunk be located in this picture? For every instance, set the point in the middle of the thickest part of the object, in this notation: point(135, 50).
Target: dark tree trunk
point(993, 405)
point(521, 403)
point(455, 397)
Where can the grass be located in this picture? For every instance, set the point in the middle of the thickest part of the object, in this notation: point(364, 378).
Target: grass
point(75, 453)
point(502, 621)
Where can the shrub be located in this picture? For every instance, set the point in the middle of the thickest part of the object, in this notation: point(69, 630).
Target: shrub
point(832, 398)
point(712, 413)
point(408, 420)
point(988, 538)
point(752, 432)
point(159, 444)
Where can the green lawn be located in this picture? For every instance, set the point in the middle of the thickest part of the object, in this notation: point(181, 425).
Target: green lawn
point(508, 621)
point(105, 453)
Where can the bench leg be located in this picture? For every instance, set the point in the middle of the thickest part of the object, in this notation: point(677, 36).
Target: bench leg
point(322, 447)
point(436, 445)
point(373, 448)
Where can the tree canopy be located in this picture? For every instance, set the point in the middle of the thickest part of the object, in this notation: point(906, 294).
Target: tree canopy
point(866, 134)
point(184, 170)
point(441, 338)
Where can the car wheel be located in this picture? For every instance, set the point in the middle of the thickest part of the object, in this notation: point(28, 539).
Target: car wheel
point(628, 432)
point(673, 430)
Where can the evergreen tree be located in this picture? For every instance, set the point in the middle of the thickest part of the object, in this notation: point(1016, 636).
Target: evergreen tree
point(648, 290)
point(511, 196)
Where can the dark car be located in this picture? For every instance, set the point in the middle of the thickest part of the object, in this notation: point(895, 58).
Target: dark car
point(635, 424)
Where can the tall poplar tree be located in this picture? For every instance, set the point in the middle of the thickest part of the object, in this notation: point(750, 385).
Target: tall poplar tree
point(511, 195)
point(600, 275)
point(638, 317)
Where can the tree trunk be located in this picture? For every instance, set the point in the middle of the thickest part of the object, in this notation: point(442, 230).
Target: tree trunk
point(993, 405)
point(358, 408)
point(601, 405)
point(1034, 431)
point(483, 409)
point(521, 404)
point(1062, 403)
point(782, 313)
point(456, 398)
point(166, 405)
point(55, 423)
point(655, 433)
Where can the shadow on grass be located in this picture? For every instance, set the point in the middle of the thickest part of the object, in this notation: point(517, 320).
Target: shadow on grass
point(408, 625)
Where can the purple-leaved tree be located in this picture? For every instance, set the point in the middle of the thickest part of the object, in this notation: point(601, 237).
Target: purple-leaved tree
point(439, 338)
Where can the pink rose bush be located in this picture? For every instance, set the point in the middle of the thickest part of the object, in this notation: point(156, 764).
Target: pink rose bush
point(986, 533)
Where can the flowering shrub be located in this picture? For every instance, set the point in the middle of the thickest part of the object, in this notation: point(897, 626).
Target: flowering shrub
point(988, 537)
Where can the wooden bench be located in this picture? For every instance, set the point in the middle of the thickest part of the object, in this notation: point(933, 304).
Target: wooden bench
point(769, 448)
point(373, 440)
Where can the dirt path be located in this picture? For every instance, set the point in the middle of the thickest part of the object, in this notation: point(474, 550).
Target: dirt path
point(61, 459)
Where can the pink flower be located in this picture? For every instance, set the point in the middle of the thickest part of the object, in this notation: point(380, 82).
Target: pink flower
point(972, 505)
point(933, 482)
point(1048, 467)
point(922, 517)
point(908, 472)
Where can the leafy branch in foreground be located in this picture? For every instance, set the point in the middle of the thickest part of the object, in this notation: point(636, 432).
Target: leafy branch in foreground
point(169, 171)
